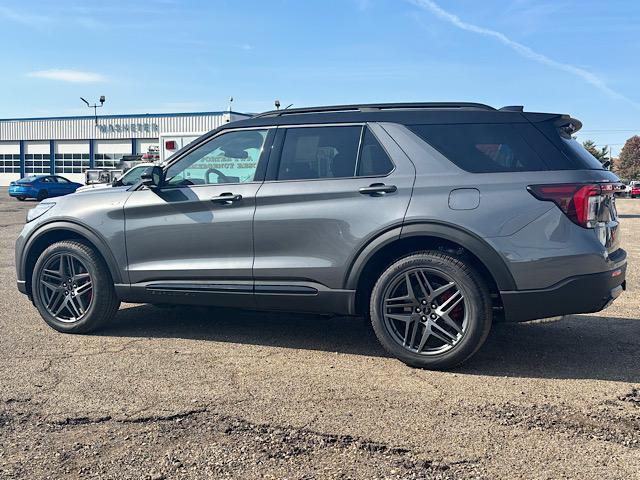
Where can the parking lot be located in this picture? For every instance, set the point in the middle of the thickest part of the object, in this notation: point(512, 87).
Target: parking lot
point(211, 393)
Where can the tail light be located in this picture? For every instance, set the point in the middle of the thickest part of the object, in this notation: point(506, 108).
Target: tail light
point(580, 202)
point(26, 184)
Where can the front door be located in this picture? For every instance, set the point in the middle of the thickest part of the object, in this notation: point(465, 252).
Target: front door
point(198, 226)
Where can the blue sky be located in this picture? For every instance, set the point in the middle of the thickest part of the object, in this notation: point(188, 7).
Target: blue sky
point(578, 57)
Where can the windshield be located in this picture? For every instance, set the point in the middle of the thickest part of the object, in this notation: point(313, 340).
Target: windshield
point(133, 175)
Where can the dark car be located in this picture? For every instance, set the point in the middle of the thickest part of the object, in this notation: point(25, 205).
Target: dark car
point(41, 187)
point(433, 220)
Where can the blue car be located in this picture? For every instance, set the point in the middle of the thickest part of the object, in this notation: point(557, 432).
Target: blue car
point(41, 187)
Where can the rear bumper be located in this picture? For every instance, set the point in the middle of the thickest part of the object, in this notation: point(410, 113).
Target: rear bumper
point(20, 193)
point(581, 294)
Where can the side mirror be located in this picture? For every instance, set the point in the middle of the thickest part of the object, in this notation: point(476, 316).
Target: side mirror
point(153, 177)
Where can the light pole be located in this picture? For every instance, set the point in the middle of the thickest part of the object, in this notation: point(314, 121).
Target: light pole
point(95, 106)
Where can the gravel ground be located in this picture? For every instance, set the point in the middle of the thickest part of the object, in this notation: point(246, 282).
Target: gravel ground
point(210, 393)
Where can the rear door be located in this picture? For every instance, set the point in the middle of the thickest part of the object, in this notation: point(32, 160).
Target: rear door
point(329, 189)
point(199, 226)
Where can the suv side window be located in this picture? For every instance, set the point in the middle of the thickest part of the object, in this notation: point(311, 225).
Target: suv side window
point(373, 161)
point(482, 148)
point(228, 158)
point(319, 152)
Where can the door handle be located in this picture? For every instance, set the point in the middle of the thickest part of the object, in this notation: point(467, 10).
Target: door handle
point(226, 198)
point(378, 189)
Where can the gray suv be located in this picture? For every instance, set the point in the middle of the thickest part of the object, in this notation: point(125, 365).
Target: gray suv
point(432, 219)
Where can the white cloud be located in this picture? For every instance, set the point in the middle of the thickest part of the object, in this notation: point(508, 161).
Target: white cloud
point(23, 18)
point(73, 76)
point(523, 50)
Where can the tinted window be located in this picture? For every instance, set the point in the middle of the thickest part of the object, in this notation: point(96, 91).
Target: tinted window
point(482, 148)
point(374, 161)
point(61, 180)
point(229, 158)
point(575, 156)
point(319, 152)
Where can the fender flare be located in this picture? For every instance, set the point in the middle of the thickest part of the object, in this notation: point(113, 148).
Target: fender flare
point(96, 240)
point(491, 259)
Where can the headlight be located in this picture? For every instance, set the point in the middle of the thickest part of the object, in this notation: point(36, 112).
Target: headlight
point(38, 211)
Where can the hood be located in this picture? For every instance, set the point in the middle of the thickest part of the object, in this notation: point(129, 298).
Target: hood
point(94, 186)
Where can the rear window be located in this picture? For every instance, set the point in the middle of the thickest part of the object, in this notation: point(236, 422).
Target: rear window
point(483, 148)
point(577, 156)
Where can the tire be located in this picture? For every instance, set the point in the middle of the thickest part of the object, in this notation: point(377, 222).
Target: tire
point(42, 194)
point(402, 331)
point(87, 307)
point(21, 198)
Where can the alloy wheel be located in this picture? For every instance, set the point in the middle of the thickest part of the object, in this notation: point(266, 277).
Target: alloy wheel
point(66, 287)
point(425, 311)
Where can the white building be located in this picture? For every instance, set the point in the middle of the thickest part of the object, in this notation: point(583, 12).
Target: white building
point(68, 146)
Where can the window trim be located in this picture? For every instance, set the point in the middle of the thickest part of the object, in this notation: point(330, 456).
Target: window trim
point(274, 161)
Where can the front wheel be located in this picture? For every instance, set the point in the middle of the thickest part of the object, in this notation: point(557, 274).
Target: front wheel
point(42, 194)
point(21, 198)
point(72, 288)
point(430, 310)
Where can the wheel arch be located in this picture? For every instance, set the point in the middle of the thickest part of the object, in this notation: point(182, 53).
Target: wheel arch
point(57, 231)
point(401, 241)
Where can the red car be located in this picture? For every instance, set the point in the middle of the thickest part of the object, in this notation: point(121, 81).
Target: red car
point(635, 190)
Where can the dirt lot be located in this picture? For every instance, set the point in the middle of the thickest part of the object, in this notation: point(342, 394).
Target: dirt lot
point(196, 393)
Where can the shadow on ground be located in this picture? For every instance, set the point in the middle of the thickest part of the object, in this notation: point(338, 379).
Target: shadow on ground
point(581, 346)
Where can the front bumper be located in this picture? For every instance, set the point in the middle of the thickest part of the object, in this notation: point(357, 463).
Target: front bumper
point(581, 294)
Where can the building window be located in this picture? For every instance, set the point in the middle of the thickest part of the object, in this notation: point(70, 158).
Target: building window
point(9, 163)
point(109, 160)
point(71, 162)
point(36, 163)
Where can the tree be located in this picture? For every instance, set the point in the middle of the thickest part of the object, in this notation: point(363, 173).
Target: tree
point(628, 165)
point(601, 154)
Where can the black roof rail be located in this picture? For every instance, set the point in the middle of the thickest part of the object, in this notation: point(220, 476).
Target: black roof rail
point(369, 107)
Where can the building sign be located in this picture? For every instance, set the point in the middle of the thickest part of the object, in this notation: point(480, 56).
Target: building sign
point(129, 128)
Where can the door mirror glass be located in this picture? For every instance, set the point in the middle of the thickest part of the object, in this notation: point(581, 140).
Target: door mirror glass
point(153, 177)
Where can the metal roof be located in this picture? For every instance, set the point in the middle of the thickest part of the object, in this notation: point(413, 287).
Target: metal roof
point(113, 127)
point(126, 115)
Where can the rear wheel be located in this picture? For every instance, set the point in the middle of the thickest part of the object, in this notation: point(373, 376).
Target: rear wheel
point(42, 194)
point(430, 310)
point(72, 288)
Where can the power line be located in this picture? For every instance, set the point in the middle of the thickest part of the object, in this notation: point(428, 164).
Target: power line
point(612, 130)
